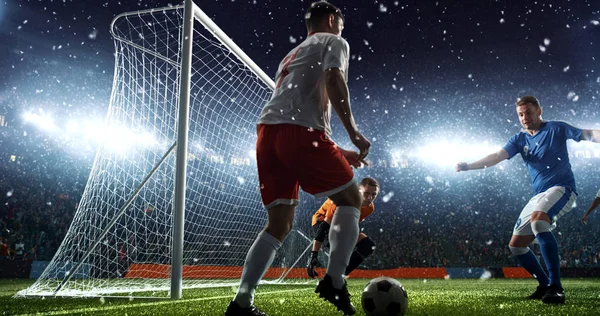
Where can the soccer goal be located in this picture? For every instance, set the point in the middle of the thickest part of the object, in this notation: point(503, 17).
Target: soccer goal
point(178, 205)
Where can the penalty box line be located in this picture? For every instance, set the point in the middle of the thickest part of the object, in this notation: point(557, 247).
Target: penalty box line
point(167, 302)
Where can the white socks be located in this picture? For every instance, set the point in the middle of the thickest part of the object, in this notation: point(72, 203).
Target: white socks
point(259, 259)
point(342, 239)
point(517, 251)
point(540, 226)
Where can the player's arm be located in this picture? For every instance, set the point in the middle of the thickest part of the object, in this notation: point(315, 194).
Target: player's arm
point(485, 162)
point(592, 135)
point(353, 158)
point(321, 233)
point(337, 90)
point(313, 261)
point(592, 207)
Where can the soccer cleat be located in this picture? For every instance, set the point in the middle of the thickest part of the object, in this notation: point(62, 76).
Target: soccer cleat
point(554, 295)
point(235, 310)
point(340, 298)
point(539, 293)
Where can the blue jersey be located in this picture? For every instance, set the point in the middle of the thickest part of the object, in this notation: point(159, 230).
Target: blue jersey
point(545, 154)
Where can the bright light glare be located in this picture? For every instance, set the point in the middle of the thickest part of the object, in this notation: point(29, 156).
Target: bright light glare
point(118, 138)
point(115, 138)
point(584, 149)
point(448, 154)
point(73, 126)
point(42, 121)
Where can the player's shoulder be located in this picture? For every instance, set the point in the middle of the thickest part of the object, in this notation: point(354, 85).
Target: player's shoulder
point(330, 40)
point(554, 123)
point(558, 123)
point(328, 36)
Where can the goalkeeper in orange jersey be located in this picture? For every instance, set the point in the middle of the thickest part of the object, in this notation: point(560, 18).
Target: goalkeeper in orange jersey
point(321, 220)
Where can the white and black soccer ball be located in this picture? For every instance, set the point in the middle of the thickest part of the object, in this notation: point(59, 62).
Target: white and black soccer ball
point(384, 296)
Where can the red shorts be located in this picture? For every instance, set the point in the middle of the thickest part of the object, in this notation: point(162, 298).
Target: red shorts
point(291, 156)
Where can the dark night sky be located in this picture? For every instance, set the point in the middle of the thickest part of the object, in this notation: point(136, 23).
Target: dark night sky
point(419, 69)
point(404, 52)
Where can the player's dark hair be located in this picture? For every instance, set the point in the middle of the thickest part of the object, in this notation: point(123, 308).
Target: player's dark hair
point(528, 99)
point(318, 12)
point(369, 181)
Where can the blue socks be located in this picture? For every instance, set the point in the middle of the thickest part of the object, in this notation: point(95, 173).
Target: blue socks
point(549, 249)
point(532, 265)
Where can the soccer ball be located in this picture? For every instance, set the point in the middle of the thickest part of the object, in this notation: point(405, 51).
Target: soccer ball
point(384, 296)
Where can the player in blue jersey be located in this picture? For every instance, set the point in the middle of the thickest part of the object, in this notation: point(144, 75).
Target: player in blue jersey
point(543, 147)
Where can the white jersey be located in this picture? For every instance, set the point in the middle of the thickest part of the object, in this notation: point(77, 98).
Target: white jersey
point(300, 96)
point(598, 194)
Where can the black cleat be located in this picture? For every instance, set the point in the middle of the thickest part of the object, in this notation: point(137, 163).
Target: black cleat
point(539, 293)
point(554, 295)
point(340, 298)
point(235, 310)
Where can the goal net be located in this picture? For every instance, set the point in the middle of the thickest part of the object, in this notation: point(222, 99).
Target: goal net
point(120, 240)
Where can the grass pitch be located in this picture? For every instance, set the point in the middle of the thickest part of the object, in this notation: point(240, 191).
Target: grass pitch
point(426, 297)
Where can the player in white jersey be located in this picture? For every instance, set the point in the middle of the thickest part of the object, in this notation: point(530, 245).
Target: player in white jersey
point(294, 148)
point(592, 207)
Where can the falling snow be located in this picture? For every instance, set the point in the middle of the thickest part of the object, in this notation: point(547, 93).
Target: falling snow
point(428, 91)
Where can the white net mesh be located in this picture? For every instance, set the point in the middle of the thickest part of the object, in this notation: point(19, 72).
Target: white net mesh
point(223, 207)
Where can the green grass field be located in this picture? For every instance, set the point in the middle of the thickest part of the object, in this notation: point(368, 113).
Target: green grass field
point(426, 297)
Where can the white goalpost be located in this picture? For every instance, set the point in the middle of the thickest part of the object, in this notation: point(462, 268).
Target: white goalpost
point(178, 206)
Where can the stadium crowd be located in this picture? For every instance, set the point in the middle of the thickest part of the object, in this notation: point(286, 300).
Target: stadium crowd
point(38, 205)
point(468, 236)
point(40, 200)
point(456, 242)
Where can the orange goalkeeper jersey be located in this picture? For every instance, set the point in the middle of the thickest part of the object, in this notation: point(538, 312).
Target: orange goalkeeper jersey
point(328, 209)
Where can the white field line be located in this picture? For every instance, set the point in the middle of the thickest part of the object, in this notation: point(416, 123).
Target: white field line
point(166, 302)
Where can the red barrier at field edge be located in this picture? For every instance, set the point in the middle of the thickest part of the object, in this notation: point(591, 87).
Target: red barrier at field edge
point(22, 268)
point(151, 271)
point(516, 273)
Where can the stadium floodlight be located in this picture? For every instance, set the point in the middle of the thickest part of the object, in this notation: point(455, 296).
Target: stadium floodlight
point(446, 154)
point(42, 121)
point(161, 219)
point(73, 126)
